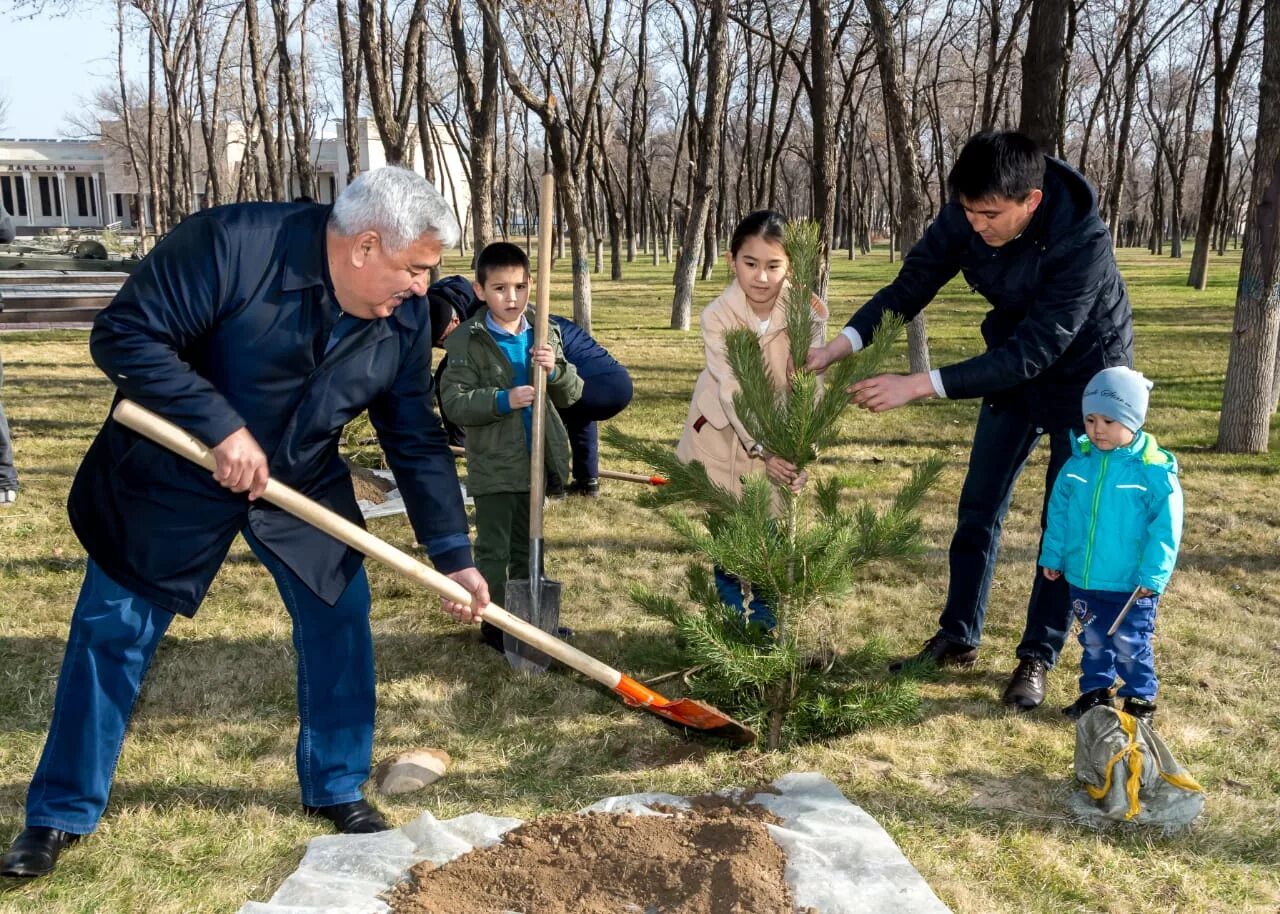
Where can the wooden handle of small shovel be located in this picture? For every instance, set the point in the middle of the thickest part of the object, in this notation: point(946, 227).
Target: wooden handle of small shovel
point(168, 435)
point(604, 474)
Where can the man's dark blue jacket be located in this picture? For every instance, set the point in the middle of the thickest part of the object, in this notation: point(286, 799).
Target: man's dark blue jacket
point(1059, 308)
point(224, 326)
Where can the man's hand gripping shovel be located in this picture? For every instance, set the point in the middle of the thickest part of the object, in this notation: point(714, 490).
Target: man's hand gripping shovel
point(685, 712)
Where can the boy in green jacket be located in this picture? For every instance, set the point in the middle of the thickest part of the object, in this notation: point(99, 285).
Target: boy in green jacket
point(487, 388)
point(1114, 526)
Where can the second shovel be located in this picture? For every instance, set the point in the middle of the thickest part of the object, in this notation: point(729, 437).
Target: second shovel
point(536, 600)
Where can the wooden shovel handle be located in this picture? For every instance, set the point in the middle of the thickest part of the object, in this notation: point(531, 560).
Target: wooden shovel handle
point(168, 435)
point(541, 328)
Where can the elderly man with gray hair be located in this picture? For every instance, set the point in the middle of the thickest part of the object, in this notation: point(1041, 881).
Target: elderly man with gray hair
point(261, 329)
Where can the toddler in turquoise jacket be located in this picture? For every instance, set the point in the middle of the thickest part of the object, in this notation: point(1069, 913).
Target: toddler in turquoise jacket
point(1114, 525)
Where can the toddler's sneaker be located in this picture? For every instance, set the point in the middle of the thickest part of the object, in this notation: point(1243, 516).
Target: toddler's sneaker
point(1140, 708)
point(1087, 701)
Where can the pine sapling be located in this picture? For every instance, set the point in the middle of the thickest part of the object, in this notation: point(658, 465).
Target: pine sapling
point(799, 551)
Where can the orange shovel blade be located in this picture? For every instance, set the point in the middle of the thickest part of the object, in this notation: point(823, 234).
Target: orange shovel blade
point(686, 712)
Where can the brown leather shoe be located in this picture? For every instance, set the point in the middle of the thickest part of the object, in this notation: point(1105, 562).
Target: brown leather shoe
point(939, 651)
point(356, 818)
point(1026, 687)
point(35, 852)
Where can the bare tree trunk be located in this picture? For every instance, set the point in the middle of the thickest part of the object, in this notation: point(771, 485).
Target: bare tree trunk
point(153, 167)
point(1224, 74)
point(392, 109)
point(1065, 84)
point(254, 37)
point(569, 164)
point(911, 196)
point(126, 120)
point(1042, 71)
point(614, 195)
point(1252, 386)
point(824, 166)
point(349, 60)
point(700, 202)
point(303, 170)
point(480, 104)
point(637, 128)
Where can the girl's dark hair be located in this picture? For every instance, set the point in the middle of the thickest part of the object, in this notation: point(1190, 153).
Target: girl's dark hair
point(763, 223)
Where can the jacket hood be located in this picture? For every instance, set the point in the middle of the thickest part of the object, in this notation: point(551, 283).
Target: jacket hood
point(1069, 202)
point(1144, 447)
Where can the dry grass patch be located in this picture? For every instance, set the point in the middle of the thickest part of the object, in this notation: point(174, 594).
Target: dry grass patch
point(205, 812)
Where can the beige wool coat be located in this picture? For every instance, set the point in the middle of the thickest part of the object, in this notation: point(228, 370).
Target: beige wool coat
point(713, 434)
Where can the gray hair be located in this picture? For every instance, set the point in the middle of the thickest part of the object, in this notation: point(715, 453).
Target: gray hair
point(399, 204)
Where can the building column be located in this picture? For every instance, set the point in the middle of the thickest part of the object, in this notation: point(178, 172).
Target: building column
point(31, 206)
point(62, 194)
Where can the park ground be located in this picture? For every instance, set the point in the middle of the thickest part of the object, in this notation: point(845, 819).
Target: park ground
point(205, 811)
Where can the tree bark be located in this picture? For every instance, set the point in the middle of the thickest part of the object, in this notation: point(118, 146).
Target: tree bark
point(1252, 386)
point(253, 36)
point(480, 104)
point(349, 61)
point(1043, 63)
point(569, 163)
point(911, 213)
point(303, 170)
point(700, 201)
point(1224, 74)
point(391, 108)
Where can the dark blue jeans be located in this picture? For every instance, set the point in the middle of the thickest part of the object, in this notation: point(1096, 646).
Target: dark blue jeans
point(603, 397)
point(1127, 653)
point(8, 475)
point(1002, 442)
point(114, 635)
point(758, 611)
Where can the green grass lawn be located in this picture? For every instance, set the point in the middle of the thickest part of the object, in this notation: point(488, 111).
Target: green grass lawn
point(205, 811)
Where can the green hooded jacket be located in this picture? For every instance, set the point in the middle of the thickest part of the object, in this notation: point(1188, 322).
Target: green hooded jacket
point(497, 452)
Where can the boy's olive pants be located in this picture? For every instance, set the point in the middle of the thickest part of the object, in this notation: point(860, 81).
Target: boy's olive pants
point(502, 540)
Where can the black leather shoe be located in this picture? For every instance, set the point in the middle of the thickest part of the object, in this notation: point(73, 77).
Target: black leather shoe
point(356, 818)
point(939, 651)
point(1087, 702)
point(1026, 687)
point(588, 488)
point(35, 852)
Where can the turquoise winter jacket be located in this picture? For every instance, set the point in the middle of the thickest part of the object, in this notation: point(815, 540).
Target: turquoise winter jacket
point(1115, 517)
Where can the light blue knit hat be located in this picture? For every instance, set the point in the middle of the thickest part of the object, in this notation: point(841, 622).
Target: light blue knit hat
point(1120, 394)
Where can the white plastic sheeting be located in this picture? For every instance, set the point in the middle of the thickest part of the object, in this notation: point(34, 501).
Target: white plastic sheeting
point(839, 859)
point(392, 502)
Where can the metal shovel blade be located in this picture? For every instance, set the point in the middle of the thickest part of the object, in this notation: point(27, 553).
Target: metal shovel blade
point(543, 613)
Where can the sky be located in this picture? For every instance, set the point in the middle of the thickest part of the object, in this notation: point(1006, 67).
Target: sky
point(48, 64)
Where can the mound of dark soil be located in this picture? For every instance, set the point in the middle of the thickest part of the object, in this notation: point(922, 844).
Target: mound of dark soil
point(709, 860)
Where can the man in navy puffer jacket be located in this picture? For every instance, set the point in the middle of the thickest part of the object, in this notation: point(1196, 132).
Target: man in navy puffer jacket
point(1024, 230)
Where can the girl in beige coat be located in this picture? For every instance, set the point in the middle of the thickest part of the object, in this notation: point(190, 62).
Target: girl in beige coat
point(713, 434)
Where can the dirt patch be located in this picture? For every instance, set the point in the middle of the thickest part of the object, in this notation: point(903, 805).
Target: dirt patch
point(369, 486)
point(717, 858)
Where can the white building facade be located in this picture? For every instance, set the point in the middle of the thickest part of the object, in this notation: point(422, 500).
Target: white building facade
point(89, 184)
